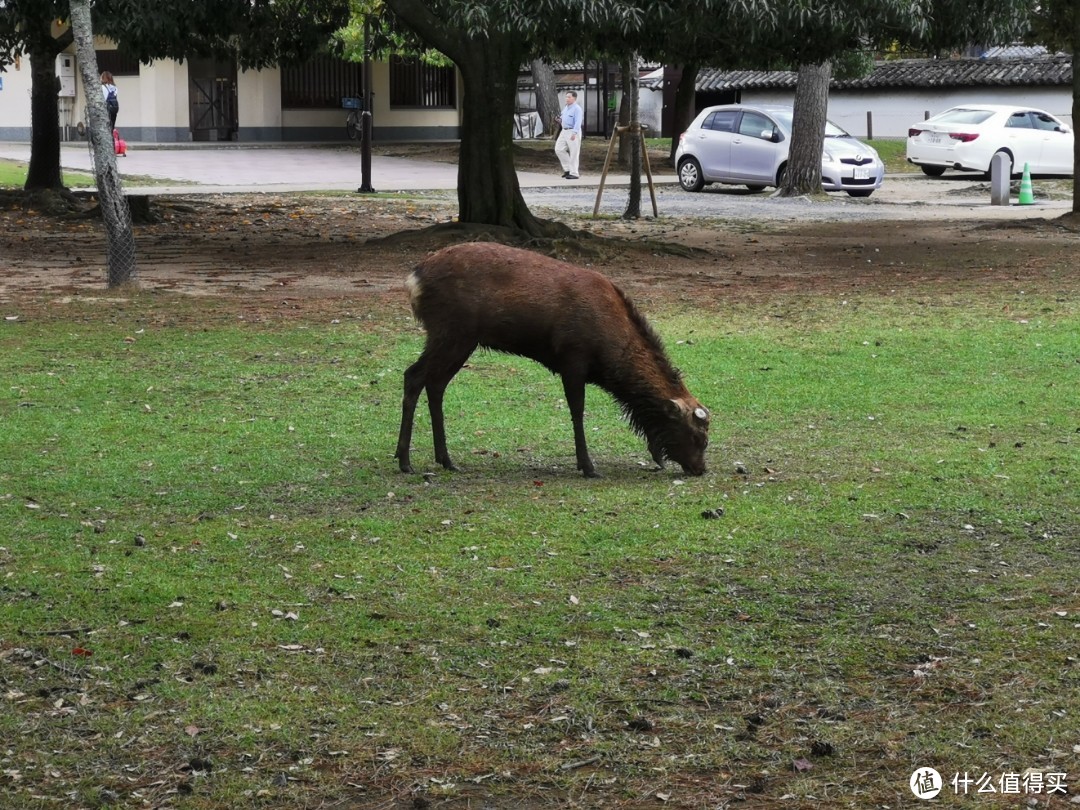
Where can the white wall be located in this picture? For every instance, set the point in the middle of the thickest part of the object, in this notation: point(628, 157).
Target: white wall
point(895, 111)
point(15, 101)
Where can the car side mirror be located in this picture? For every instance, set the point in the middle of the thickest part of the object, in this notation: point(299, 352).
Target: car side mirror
point(1064, 128)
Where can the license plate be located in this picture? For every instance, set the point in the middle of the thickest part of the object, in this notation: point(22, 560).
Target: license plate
point(933, 137)
point(862, 173)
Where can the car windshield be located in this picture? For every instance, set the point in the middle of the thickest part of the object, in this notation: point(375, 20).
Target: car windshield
point(831, 129)
point(962, 115)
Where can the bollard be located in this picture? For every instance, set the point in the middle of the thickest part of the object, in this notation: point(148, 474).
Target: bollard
point(1000, 168)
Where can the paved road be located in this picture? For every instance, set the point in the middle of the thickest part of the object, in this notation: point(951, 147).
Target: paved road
point(280, 168)
point(226, 168)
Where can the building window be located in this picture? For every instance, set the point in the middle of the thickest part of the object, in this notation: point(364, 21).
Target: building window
point(414, 84)
point(321, 83)
point(117, 63)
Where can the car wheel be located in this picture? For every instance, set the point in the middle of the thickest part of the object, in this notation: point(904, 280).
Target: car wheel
point(690, 175)
point(860, 192)
point(933, 171)
point(781, 173)
point(755, 187)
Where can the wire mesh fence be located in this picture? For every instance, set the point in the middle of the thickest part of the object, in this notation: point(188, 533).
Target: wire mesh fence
point(120, 255)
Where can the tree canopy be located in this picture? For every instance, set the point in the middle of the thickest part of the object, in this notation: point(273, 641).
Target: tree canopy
point(255, 33)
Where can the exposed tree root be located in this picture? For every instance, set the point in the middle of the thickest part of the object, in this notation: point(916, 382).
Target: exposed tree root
point(65, 204)
point(53, 202)
point(1070, 221)
point(562, 243)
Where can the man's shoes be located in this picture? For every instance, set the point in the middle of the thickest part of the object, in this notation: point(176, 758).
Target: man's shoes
point(569, 176)
point(565, 175)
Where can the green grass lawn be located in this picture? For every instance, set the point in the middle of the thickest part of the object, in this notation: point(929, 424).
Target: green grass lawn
point(893, 153)
point(216, 590)
point(13, 175)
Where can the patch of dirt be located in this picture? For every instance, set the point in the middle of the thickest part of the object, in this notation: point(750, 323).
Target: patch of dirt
point(265, 250)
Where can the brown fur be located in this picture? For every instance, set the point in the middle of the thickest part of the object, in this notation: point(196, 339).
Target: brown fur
point(572, 320)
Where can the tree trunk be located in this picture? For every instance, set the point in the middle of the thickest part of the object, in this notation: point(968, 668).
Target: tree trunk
point(119, 236)
point(488, 190)
point(803, 173)
point(685, 105)
point(624, 115)
point(44, 169)
point(546, 92)
point(1075, 105)
point(633, 205)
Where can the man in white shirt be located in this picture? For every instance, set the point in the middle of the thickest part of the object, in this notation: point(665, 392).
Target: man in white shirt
point(568, 145)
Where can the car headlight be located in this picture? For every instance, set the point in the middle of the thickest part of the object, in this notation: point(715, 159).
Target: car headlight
point(827, 156)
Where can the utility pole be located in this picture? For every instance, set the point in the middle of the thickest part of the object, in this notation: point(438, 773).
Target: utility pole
point(365, 117)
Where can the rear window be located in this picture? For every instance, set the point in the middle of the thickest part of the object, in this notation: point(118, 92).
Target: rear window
point(960, 115)
point(721, 121)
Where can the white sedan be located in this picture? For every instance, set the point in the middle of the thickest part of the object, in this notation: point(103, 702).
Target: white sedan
point(967, 137)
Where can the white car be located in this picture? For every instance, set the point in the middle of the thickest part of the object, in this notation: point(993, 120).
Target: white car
point(967, 137)
point(746, 144)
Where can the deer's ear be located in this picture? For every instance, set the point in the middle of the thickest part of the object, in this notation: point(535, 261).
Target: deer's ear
point(675, 408)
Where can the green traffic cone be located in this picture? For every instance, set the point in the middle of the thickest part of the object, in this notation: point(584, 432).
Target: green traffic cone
point(1027, 196)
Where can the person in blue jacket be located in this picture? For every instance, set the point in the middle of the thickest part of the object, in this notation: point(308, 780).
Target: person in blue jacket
point(568, 144)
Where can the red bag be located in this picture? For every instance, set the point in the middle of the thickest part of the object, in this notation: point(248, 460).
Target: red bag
point(119, 144)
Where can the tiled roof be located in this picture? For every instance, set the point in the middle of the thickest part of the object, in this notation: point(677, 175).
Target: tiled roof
point(1013, 51)
point(904, 73)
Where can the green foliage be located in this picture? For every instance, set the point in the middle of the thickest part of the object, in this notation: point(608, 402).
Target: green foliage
point(1053, 24)
point(26, 25)
point(256, 33)
point(852, 64)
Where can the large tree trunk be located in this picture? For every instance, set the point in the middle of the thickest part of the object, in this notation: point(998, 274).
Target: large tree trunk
point(546, 92)
point(488, 190)
point(119, 236)
point(1076, 106)
point(685, 105)
point(44, 169)
point(803, 174)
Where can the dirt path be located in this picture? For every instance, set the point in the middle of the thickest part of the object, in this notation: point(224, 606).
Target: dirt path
point(271, 249)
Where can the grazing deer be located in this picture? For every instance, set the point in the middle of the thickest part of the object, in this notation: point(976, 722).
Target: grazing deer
point(573, 321)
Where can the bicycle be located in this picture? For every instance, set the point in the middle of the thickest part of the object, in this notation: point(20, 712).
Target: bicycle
point(353, 121)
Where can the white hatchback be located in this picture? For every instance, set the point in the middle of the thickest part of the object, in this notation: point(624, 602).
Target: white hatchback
point(967, 137)
point(744, 144)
